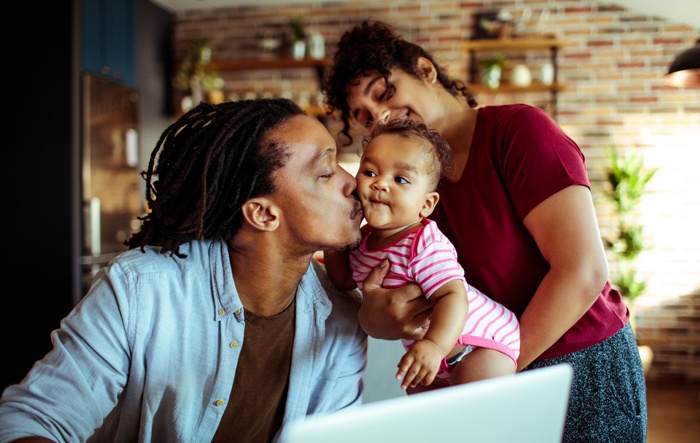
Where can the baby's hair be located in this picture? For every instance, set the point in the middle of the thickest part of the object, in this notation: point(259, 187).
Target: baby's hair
point(209, 162)
point(434, 144)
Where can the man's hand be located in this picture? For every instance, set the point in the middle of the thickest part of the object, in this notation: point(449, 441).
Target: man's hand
point(392, 314)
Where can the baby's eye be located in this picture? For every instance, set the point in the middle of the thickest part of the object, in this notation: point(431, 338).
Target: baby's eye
point(401, 180)
point(368, 173)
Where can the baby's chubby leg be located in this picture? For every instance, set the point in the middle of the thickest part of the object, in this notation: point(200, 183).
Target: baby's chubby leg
point(481, 364)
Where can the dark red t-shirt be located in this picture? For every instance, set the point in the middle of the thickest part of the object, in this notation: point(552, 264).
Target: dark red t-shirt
point(519, 157)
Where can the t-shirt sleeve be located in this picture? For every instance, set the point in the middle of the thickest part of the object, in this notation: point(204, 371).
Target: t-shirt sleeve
point(434, 261)
point(535, 158)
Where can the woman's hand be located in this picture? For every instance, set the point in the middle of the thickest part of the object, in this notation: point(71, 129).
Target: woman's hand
point(392, 314)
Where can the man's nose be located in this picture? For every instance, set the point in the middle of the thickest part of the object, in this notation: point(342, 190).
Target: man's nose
point(350, 184)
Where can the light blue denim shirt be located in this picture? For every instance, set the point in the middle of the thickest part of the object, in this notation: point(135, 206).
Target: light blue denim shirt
point(150, 354)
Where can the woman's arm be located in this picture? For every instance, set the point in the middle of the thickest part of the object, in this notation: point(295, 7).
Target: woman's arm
point(565, 229)
point(391, 314)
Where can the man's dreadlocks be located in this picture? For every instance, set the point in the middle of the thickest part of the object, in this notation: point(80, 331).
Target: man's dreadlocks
point(209, 162)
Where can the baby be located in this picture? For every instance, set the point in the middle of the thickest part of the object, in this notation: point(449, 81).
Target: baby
point(470, 337)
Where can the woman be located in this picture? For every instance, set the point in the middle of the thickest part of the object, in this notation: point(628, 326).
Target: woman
point(517, 205)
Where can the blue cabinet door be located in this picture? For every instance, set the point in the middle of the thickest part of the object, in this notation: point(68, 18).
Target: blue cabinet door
point(108, 39)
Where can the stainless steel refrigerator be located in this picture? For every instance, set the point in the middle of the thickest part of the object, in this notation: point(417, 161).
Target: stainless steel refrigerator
point(111, 181)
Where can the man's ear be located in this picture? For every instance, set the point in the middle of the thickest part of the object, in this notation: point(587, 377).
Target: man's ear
point(426, 69)
point(431, 200)
point(261, 214)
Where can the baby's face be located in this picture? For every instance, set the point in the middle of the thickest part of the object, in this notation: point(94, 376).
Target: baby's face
point(393, 181)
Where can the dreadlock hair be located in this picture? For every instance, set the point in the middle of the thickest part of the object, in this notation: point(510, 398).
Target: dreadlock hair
point(374, 47)
point(209, 162)
point(438, 149)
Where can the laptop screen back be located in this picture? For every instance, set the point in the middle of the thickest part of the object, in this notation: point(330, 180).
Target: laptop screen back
point(527, 407)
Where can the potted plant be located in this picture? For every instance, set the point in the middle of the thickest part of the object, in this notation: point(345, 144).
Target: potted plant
point(195, 77)
point(628, 180)
point(493, 68)
point(298, 37)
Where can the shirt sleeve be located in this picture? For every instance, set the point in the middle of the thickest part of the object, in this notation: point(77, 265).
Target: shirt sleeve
point(434, 260)
point(67, 394)
point(535, 158)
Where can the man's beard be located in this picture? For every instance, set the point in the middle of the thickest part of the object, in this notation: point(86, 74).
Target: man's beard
point(352, 246)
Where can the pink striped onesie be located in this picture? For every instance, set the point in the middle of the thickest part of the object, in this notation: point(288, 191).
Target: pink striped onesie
point(427, 257)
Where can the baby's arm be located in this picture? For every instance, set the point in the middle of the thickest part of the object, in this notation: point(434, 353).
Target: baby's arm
point(337, 265)
point(421, 363)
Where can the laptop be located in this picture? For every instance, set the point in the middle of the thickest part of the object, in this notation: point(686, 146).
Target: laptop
point(527, 407)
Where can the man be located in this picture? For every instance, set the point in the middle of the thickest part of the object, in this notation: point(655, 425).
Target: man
point(215, 325)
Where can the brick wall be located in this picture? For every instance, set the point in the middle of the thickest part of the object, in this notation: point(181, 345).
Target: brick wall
point(612, 66)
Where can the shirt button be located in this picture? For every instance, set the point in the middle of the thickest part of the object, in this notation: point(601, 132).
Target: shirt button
point(219, 402)
point(222, 311)
point(238, 311)
point(233, 344)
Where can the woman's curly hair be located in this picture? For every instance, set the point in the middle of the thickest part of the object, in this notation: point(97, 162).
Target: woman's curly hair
point(207, 164)
point(375, 47)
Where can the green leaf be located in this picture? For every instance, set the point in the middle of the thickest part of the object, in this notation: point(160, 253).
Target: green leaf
point(628, 179)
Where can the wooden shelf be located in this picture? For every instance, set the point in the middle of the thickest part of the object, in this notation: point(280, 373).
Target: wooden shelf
point(514, 44)
point(319, 65)
point(272, 63)
point(509, 88)
point(510, 45)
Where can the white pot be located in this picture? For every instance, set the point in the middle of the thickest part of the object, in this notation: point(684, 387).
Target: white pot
point(299, 49)
point(521, 76)
point(317, 46)
point(547, 74)
point(492, 77)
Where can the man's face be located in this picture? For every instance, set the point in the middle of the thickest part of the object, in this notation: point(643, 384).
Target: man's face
point(314, 194)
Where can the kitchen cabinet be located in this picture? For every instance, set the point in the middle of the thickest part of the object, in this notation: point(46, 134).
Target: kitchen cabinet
point(478, 50)
point(108, 38)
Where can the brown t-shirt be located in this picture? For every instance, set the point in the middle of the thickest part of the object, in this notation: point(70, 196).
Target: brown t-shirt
point(256, 407)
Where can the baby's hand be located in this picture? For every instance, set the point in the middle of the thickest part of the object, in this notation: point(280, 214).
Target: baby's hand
point(420, 364)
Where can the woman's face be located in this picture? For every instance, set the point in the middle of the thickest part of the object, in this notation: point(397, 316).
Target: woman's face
point(373, 100)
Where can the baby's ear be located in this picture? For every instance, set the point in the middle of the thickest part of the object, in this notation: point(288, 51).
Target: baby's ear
point(431, 200)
